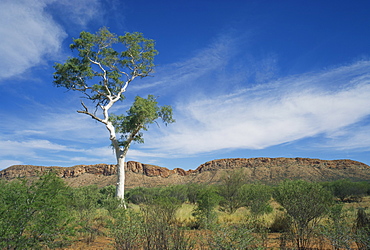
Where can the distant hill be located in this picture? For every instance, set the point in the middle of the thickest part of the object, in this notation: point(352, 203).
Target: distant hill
point(267, 170)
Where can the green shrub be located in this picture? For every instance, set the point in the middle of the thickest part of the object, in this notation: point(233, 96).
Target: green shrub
point(127, 229)
point(34, 215)
point(281, 223)
point(305, 203)
point(257, 197)
point(229, 190)
point(347, 190)
point(337, 229)
point(142, 195)
point(159, 228)
point(230, 237)
point(362, 229)
point(205, 213)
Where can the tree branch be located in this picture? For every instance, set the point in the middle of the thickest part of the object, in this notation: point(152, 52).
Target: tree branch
point(86, 111)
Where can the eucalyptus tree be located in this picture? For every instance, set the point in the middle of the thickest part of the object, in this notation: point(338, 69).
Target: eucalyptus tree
point(106, 64)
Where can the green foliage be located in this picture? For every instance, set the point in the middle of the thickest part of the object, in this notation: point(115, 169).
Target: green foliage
point(177, 192)
point(257, 197)
point(229, 190)
point(233, 237)
point(85, 202)
point(281, 223)
point(127, 229)
point(142, 113)
point(160, 229)
point(347, 190)
point(192, 191)
point(337, 229)
point(142, 195)
point(205, 213)
point(98, 58)
point(305, 203)
point(104, 67)
point(362, 229)
point(107, 198)
point(34, 215)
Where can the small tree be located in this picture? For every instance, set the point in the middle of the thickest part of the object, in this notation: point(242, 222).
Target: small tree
point(257, 197)
point(304, 202)
point(229, 190)
point(207, 200)
point(105, 66)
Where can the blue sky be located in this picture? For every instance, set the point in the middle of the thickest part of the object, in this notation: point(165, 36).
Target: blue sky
point(245, 79)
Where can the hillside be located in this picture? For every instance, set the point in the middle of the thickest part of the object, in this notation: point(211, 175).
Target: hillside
point(269, 170)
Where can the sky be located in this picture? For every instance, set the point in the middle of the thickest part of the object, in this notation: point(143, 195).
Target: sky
point(245, 78)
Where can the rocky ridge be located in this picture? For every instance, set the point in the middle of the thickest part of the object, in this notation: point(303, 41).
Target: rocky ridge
point(269, 170)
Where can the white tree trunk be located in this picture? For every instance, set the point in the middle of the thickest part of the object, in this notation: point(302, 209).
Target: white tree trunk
point(120, 191)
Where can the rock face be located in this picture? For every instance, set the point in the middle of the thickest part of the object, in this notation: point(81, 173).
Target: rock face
point(269, 170)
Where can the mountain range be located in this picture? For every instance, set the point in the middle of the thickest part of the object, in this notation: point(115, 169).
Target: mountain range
point(266, 170)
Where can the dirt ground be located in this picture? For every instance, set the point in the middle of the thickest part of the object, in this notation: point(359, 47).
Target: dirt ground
point(105, 243)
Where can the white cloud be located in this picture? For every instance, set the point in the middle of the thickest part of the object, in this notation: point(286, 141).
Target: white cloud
point(27, 35)
point(79, 11)
point(30, 35)
point(210, 59)
point(283, 111)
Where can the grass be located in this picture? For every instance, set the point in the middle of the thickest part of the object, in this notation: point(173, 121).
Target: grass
point(242, 215)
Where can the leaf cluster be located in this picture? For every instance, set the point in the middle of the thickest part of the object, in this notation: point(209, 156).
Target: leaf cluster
point(142, 113)
point(108, 61)
point(34, 215)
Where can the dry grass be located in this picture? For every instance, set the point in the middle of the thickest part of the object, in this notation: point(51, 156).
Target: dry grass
point(184, 216)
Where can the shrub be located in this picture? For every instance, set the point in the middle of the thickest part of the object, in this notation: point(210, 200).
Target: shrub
point(142, 195)
point(127, 229)
point(305, 203)
point(34, 215)
point(232, 237)
point(362, 229)
point(205, 213)
point(159, 228)
point(346, 190)
point(178, 192)
point(281, 223)
point(229, 190)
point(257, 197)
point(337, 229)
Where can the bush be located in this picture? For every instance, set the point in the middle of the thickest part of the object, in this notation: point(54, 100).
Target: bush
point(142, 195)
point(336, 229)
point(127, 229)
point(160, 230)
point(281, 223)
point(305, 203)
point(229, 190)
point(257, 197)
point(205, 213)
point(346, 190)
point(34, 215)
point(178, 192)
point(362, 229)
point(232, 237)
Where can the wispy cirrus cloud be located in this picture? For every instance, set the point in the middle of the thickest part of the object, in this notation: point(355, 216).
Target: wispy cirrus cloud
point(30, 35)
point(282, 111)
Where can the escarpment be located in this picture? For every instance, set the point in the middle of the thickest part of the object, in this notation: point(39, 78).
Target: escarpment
point(269, 170)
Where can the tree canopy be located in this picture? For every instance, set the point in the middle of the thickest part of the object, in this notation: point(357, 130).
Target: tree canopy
point(103, 69)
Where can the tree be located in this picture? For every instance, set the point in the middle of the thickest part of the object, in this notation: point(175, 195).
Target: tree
point(230, 191)
point(257, 197)
point(105, 66)
point(347, 190)
point(304, 202)
point(207, 200)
